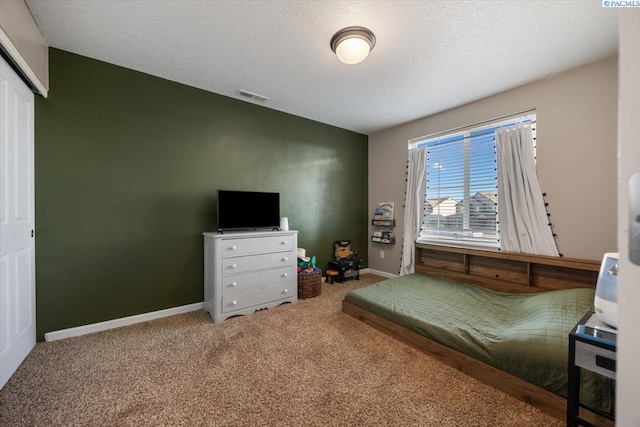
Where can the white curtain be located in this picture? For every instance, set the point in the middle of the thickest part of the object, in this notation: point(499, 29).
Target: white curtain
point(524, 225)
point(413, 207)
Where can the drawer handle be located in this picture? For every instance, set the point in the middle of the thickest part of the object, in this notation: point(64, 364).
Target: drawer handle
point(286, 291)
point(284, 242)
point(233, 248)
point(235, 302)
point(233, 266)
point(285, 274)
point(234, 284)
point(285, 259)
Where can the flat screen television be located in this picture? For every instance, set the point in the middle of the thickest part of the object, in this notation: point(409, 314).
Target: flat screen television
point(248, 210)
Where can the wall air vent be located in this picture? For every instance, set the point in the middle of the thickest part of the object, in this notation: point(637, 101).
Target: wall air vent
point(251, 95)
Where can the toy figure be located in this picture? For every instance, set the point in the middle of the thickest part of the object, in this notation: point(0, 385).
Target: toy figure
point(346, 263)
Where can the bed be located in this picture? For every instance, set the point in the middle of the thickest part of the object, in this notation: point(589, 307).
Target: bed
point(503, 318)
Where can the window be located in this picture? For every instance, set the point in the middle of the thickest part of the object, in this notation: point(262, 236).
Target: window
point(461, 201)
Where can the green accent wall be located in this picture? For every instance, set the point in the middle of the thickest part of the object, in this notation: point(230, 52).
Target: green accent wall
point(127, 167)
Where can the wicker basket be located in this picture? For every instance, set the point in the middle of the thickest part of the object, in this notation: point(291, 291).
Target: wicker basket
point(309, 285)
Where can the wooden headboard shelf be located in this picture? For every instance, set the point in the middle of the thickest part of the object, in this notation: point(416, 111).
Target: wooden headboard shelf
point(506, 271)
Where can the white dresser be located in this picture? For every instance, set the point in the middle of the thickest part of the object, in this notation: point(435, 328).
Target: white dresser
point(249, 271)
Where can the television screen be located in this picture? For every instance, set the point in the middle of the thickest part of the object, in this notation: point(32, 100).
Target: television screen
point(245, 210)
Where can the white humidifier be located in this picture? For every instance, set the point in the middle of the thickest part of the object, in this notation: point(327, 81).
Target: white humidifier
point(606, 300)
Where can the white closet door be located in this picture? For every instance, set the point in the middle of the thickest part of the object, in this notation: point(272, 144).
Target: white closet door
point(17, 243)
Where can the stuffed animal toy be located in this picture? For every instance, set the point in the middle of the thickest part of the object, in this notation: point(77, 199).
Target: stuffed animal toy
point(304, 262)
point(307, 264)
point(342, 249)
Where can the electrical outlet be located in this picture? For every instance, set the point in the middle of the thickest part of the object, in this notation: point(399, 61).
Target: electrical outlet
point(381, 254)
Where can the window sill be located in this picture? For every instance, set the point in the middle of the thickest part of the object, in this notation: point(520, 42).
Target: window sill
point(462, 244)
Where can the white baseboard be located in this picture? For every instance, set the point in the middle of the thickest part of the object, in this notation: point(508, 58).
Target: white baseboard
point(123, 321)
point(145, 317)
point(380, 273)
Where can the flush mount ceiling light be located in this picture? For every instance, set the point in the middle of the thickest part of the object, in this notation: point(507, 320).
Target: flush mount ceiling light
point(353, 44)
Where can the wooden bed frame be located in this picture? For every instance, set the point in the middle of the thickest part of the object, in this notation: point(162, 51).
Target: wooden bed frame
point(503, 271)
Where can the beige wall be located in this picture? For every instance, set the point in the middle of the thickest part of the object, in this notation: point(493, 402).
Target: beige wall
point(576, 157)
point(18, 25)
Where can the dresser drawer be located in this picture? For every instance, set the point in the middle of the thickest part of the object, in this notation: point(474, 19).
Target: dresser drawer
point(242, 282)
point(250, 263)
point(260, 245)
point(259, 296)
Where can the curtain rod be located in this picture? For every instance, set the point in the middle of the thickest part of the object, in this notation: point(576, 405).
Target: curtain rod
point(444, 132)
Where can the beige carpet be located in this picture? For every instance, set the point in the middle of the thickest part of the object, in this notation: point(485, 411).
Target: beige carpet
point(298, 364)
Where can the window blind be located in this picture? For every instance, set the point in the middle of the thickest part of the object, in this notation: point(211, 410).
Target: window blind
point(461, 200)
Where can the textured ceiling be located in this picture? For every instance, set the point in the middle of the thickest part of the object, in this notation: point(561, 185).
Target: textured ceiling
point(429, 55)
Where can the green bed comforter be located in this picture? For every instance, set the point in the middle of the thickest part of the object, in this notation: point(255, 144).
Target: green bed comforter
point(523, 334)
